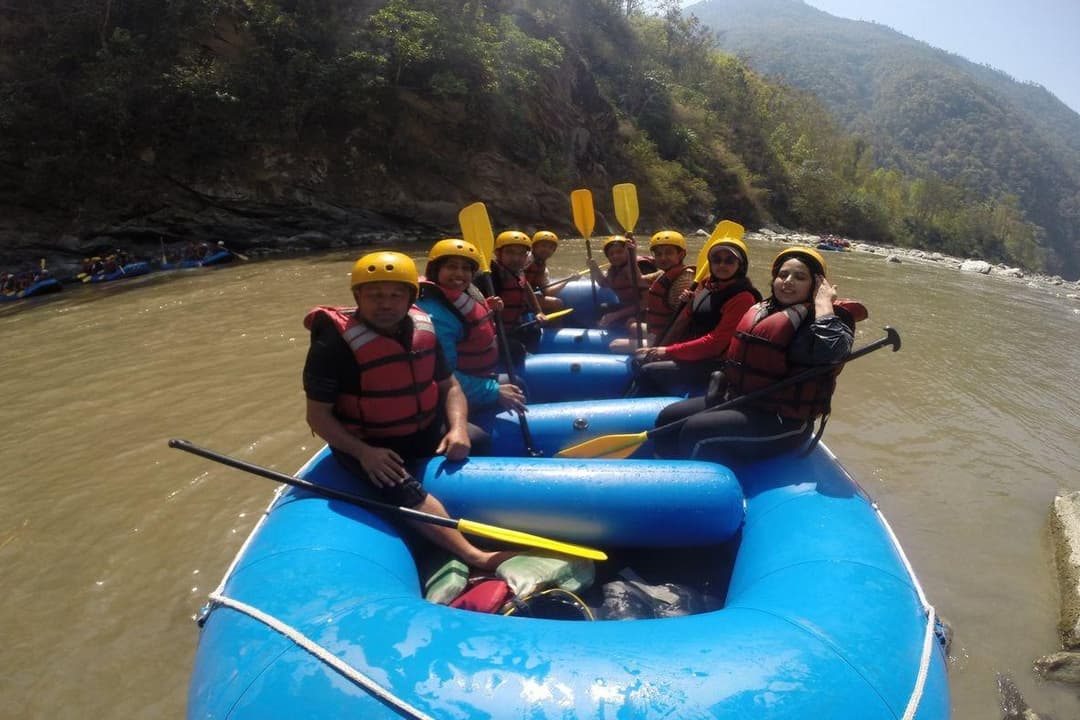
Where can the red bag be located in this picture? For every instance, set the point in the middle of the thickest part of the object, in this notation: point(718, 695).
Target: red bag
point(485, 596)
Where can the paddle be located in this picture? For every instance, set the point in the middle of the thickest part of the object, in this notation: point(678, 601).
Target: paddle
point(239, 256)
point(476, 227)
point(553, 316)
point(621, 446)
point(568, 278)
point(584, 219)
point(723, 229)
point(624, 196)
point(466, 526)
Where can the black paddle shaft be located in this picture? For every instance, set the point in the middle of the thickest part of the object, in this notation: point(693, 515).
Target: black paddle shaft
point(188, 446)
point(892, 338)
point(488, 289)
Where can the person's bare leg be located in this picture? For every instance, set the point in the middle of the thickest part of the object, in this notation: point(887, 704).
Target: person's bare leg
point(453, 541)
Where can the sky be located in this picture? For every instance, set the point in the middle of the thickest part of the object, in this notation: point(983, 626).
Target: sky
point(1031, 40)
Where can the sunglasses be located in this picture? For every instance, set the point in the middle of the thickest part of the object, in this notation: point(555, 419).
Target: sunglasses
point(725, 259)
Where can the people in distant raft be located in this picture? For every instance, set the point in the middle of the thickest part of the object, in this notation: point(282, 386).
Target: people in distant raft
point(800, 325)
point(544, 245)
point(508, 279)
point(620, 278)
point(666, 285)
point(464, 323)
point(694, 346)
point(380, 393)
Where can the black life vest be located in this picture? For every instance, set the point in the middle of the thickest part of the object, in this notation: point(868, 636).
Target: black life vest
point(707, 304)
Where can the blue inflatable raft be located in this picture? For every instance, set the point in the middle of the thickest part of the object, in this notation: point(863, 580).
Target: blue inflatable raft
point(215, 258)
point(321, 614)
point(129, 270)
point(41, 287)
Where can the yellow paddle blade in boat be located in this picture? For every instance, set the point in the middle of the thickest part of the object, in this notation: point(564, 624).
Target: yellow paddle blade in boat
point(476, 227)
point(584, 216)
point(612, 447)
point(624, 195)
point(559, 313)
point(518, 537)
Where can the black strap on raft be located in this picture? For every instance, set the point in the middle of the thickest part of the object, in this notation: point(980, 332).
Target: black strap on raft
point(550, 604)
point(817, 437)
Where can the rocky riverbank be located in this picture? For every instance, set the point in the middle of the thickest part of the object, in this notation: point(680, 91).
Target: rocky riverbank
point(1051, 283)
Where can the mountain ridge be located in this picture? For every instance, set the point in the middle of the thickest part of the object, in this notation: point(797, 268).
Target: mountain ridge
point(922, 109)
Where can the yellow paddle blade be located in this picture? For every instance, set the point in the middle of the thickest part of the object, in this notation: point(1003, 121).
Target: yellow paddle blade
point(584, 217)
point(559, 313)
point(727, 229)
point(476, 229)
point(624, 196)
point(612, 447)
point(523, 538)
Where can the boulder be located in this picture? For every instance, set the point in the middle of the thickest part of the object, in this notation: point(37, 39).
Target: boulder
point(976, 266)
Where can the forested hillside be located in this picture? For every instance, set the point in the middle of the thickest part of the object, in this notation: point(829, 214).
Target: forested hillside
point(923, 111)
point(123, 123)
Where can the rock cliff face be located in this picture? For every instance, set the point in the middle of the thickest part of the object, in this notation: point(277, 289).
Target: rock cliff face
point(398, 176)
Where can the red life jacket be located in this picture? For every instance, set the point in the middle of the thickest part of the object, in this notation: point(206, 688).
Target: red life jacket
point(512, 288)
point(757, 358)
point(398, 394)
point(536, 274)
point(658, 312)
point(478, 351)
point(619, 279)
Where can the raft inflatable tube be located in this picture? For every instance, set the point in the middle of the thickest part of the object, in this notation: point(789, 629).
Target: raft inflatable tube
point(578, 294)
point(214, 258)
point(559, 425)
point(130, 270)
point(576, 340)
point(559, 377)
point(321, 615)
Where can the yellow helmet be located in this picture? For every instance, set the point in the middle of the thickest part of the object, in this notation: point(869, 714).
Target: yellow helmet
point(386, 266)
point(545, 235)
point(614, 239)
point(735, 244)
point(453, 247)
point(803, 253)
point(668, 237)
point(512, 237)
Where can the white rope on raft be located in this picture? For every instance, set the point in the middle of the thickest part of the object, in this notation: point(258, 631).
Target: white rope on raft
point(928, 635)
point(219, 597)
point(919, 689)
point(323, 655)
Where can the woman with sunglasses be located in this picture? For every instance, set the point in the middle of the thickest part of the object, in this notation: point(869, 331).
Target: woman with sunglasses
point(802, 324)
point(704, 327)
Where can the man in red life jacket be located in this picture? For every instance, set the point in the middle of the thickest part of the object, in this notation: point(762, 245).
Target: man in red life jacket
point(508, 280)
point(381, 394)
point(666, 285)
point(544, 245)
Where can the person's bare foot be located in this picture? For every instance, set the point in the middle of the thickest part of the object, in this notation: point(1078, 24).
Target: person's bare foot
point(491, 560)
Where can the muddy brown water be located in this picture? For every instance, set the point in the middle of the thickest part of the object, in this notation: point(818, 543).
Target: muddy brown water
point(110, 541)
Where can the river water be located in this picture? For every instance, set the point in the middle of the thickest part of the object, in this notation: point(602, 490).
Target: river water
point(110, 541)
